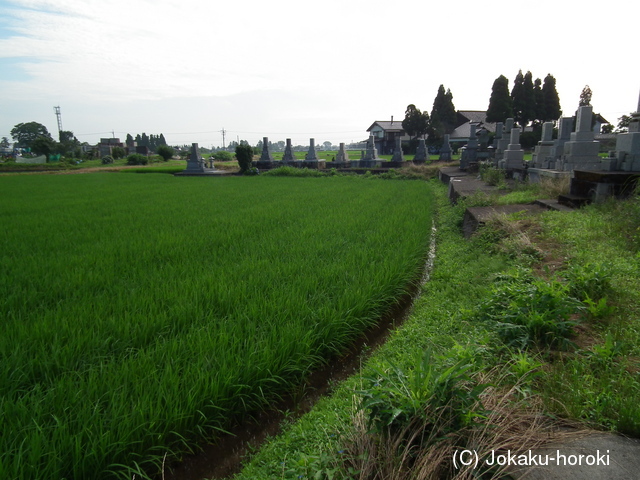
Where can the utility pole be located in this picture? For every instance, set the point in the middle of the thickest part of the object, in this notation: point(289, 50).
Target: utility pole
point(59, 116)
point(224, 145)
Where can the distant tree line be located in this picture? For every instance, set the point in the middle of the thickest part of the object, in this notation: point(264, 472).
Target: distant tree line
point(443, 118)
point(36, 138)
point(529, 100)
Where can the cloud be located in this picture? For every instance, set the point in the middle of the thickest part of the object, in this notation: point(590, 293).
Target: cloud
point(293, 66)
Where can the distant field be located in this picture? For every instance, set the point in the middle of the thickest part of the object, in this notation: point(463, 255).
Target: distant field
point(139, 312)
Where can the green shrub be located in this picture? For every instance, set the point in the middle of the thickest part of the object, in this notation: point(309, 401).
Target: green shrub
point(244, 155)
point(107, 160)
point(165, 152)
point(118, 152)
point(137, 159)
point(443, 397)
point(589, 281)
point(492, 175)
point(529, 312)
point(222, 156)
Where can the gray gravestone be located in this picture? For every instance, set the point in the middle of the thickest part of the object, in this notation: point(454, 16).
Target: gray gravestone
point(628, 145)
point(469, 155)
point(581, 152)
point(398, 156)
point(421, 155)
point(371, 158)
point(445, 149)
point(543, 154)
point(514, 154)
point(343, 156)
point(266, 154)
point(312, 154)
point(195, 163)
point(288, 157)
point(503, 143)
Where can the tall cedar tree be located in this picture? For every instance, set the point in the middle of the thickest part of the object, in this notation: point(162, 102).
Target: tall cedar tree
point(551, 100)
point(529, 110)
point(415, 122)
point(539, 100)
point(519, 97)
point(443, 116)
point(500, 103)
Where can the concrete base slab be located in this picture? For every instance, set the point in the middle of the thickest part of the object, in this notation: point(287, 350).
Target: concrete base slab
point(536, 174)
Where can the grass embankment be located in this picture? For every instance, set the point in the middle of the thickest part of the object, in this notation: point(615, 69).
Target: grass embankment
point(530, 322)
point(143, 312)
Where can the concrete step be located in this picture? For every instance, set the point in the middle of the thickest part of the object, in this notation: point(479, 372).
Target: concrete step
point(553, 205)
point(574, 201)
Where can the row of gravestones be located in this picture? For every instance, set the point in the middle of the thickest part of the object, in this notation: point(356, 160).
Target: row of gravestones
point(572, 150)
point(369, 157)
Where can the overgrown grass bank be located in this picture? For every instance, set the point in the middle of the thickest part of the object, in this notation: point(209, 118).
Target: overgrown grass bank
point(143, 312)
point(526, 325)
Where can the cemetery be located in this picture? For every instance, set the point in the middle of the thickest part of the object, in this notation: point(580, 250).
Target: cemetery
point(204, 318)
point(574, 154)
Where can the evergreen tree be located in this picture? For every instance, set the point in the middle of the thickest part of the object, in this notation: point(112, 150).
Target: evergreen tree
point(500, 103)
point(539, 100)
point(585, 97)
point(551, 100)
point(443, 116)
point(529, 107)
point(415, 122)
point(129, 139)
point(162, 140)
point(144, 140)
point(519, 98)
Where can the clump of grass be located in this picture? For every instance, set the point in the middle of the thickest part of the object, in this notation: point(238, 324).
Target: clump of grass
point(511, 422)
point(554, 187)
point(530, 312)
point(510, 234)
point(492, 175)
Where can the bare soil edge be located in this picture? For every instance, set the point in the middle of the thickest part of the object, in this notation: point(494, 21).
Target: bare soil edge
point(225, 457)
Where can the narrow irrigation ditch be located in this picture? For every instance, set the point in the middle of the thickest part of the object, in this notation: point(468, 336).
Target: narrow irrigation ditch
point(224, 458)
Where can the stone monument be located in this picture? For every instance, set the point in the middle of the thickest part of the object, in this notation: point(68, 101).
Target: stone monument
point(195, 163)
point(370, 159)
point(581, 151)
point(266, 154)
point(398, 156)
point(513, 158)
point(342, 159)
point(503, 142)
point(311, 159)
point(544, 152)
point(265, 162)
point(312, 154)
point(469, 155)
point(445, 149)
point(422, 154)
point(628, 145)
point(288, 158)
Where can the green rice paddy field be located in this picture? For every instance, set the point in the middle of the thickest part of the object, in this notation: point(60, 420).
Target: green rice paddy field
point(140, 313)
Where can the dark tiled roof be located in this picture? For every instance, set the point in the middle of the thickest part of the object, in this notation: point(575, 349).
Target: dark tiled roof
point(387, 125)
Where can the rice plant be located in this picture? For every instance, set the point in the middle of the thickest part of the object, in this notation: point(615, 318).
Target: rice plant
point(140, 314)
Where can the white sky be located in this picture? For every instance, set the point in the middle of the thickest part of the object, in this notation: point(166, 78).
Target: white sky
point(296, 69)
